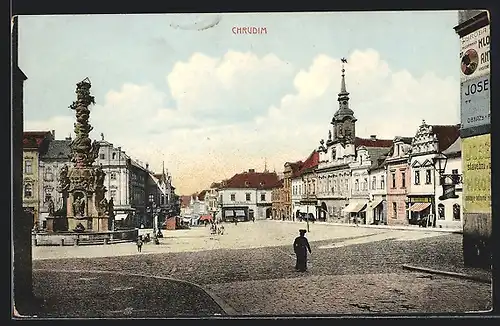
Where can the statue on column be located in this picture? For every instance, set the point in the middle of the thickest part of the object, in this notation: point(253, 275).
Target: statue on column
point(51, 207)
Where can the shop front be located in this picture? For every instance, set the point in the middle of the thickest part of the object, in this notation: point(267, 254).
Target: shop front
point(230, 214)
point(420, 210)
point(355, 212)
point(377, 209)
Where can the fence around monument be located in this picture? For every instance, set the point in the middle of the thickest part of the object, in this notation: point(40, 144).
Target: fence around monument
point(79, 239)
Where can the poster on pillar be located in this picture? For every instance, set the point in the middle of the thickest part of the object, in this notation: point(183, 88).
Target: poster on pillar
point(475, 106)
point(475, 54)
point(476, 156)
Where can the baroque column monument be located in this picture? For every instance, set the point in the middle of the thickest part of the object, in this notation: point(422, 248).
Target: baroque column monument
point(82, 185)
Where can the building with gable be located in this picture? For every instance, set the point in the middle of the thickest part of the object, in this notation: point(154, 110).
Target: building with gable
point(304, 188)
point(450, 210)
point(160, 195)
point(398, 181)
point(429, 141)
point(376, 208)
point(289, 172)
point(369, 153)
point(212, 200)
point(35, 144)
point(247, 196)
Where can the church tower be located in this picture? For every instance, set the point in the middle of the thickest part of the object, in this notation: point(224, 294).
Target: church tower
point(343, 121)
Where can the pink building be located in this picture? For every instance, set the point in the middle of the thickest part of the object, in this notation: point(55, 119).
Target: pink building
point(398, 181)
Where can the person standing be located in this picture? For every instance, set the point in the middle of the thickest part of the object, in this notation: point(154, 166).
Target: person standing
point(139, 243)
point(301, 247)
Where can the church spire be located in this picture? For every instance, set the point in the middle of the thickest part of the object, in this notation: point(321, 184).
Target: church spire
point(344, 94)
point(342, 83)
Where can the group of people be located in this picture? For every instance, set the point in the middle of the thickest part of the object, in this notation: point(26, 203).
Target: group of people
point(216, 228)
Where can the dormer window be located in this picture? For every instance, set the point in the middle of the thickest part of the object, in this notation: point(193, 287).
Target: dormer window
point(246, 184)
point(262, 183)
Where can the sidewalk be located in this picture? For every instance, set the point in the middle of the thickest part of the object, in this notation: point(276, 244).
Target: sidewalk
point(98, 294)
point(387, 227)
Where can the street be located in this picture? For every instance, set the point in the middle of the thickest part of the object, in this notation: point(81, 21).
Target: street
point(250, 271)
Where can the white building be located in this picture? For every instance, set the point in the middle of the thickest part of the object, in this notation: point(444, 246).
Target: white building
point(247, 195)
point(335, 155)
point(212, 200)
point(450, 210)
point(427, 143)
point(376, 210)
point(366, 196)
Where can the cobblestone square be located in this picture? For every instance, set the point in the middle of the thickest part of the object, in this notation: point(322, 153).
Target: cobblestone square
point(250, 271)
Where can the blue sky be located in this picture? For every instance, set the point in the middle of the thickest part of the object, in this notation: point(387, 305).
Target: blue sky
point(211, 103)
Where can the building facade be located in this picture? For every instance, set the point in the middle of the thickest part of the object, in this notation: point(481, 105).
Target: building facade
point(398, 181)
point(35, 144)
point(57, 155)
point(304, 184)
point(212, 200)
point(126, 182)
point(427, 143)
point(450, 210)
point(376, 211)
point(247, 196)
point(160, 201)
point(278, 201)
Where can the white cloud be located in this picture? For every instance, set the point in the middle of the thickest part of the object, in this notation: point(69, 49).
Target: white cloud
point(232, 113)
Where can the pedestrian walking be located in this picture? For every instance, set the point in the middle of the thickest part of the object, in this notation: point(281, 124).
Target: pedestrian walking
point(139, 243)
point(301, 247)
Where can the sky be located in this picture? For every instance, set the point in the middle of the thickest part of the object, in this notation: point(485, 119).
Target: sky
point(186, 90)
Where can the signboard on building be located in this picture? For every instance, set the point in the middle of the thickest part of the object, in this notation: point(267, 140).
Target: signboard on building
point(475, 54)
point(475, 106)
point(476, 160)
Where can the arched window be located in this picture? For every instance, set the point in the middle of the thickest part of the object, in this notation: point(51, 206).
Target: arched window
point(28, 190)
point(456, 212)
point(441, 212)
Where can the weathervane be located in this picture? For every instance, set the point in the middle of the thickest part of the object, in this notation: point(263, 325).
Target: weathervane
point(343, 60)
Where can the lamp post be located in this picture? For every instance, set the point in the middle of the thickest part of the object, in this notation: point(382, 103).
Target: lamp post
point(447, 181)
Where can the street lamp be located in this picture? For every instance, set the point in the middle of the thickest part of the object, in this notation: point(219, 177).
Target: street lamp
point(307, 203)
point(447, 181)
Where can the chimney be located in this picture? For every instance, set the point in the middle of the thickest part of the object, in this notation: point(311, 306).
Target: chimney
point(373, 137)
point(147, 166)
point(68, 138)
point(251, 170)
point(53, 133)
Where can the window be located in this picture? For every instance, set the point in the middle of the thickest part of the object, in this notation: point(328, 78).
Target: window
point(365, 184)
point(247, 195)
point(374, 183)
point(112, 176)
point(417, 177)
point(456, 212)
point(28, 190)
point(263, 197)
point(151, 197)
point(113, 156)
point(233, 197)
point(428, 176)
point(441, 211)
point(394, 210)
point(393, 179)
point(403, 179)
point(49, 176)
point(48, 195)
point(102, 157)
point(356, 185)
point(382, 182)
point(112, 193)
point(28, 166)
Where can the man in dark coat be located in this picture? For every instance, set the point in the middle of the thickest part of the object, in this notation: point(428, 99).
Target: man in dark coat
point(301, 247)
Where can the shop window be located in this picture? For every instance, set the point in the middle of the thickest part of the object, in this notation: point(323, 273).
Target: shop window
point(441, 214)
point(456, 212)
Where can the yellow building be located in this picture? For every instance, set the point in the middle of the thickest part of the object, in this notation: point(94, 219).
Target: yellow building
point(34, 143)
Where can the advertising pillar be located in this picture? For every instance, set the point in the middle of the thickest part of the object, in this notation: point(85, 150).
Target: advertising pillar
point(474, 33)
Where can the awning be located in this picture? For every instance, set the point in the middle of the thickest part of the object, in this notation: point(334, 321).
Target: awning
point(240, 213)
point(228, 213)
point(374, 204)
point(119, 217)
point(206, 217)
point(186, 220)
point(353, 207)
point(418, 207)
